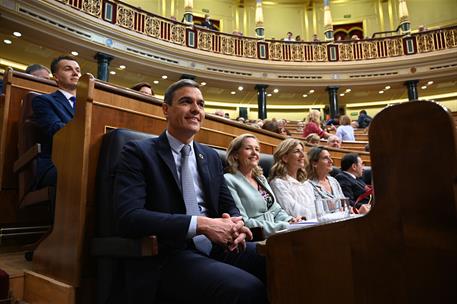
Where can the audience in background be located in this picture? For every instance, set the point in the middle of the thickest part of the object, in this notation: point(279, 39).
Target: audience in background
point(300, 126)
point(350, 180)
point(143, 87)
point(271, 125)
point(207, 23)
point(316, 38)
point(219, 113)
point(318, 170)
point(333, 121)
point(288, 179)
point(284, 131)
point(345, 131)
point(313, 139)
point(289, 37)
point(364, 120)
point(38, 70)
point(313, 125)
point(334, 141)
point(51, 112)
point(298, 38)
point(241, 119)
point(249, 188)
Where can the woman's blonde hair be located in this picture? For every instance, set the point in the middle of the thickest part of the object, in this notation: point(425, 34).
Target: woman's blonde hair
point(279, 168)
point(314, 116)
point(232, 155)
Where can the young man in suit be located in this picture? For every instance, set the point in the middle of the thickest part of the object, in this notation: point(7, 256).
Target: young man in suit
point(52, 111)
point(350, 179)
point(181, 197)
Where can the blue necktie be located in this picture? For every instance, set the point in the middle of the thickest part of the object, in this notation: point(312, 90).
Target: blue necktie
point(73, 100)
point(201, 242)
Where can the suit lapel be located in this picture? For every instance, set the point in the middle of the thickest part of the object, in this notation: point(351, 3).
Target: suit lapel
point(164, 151)
point(265, 187)
point(63, 102)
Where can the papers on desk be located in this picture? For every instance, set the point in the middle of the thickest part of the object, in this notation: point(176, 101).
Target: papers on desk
point(302, 224)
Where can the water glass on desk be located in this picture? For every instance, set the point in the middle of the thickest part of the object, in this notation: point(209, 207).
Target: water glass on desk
point(332, 209)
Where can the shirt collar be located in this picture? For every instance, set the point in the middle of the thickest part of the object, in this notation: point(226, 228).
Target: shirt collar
point(66, 94)
point(175, 144)
point(351, 174)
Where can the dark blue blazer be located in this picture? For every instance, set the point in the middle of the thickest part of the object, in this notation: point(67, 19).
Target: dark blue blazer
point(148, 198)
point(50, 112)
point(352, 188)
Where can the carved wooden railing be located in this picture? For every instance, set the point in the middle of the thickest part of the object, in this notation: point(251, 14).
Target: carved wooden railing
point(151, 25)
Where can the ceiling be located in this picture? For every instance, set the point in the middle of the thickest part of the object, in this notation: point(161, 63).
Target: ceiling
point(36, 47)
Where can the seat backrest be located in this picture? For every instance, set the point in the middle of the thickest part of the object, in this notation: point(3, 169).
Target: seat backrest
point(110, 151)
point(28, 135)
point(266, 161)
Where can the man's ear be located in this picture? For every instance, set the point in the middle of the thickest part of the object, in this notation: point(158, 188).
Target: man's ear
point(165, 109)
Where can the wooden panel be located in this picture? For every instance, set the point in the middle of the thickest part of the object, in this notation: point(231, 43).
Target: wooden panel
point(16, 85)
point(39, 289)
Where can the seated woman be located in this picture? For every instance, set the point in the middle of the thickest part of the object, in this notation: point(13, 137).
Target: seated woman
point(318, 169)
point(288, 179)
point(249, 188)
point(345, 131)
point(313, 125)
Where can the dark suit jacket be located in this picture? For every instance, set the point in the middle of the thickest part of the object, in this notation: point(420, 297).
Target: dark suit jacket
point(51, 112)
point(148, 198)
point(352, 188)
point(148, 201)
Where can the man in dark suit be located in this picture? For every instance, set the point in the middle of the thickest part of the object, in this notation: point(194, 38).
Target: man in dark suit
point(52, 111)
point(151, 198)
point(350, 179)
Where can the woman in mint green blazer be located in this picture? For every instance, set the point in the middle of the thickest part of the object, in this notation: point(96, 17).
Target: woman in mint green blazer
point(249, 188)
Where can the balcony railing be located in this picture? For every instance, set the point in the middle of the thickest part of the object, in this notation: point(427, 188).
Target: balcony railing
point(134, 19)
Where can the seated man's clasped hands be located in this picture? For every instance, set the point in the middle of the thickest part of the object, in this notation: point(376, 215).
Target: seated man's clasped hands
point(174, 188)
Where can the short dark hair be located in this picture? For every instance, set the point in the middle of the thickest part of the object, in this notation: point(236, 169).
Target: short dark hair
point(56, 61)
point(348, 160)
point(35, 67)
point(363, 112)
point(169, 93)
point(139, 85)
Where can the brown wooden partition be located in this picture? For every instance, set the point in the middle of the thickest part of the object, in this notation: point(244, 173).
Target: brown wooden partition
point(63, 255)
point(405, 249)
point(16, 86)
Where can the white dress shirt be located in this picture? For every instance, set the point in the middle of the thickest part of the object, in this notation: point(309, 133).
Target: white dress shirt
point(67, 95)
point(296, 198)
point(176, 147)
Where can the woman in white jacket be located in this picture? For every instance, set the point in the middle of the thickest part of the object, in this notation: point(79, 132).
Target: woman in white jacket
point(288, 179)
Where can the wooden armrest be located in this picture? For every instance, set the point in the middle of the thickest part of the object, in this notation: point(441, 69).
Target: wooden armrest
point(27, 157)
point(124, 247)
point(257, 234)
